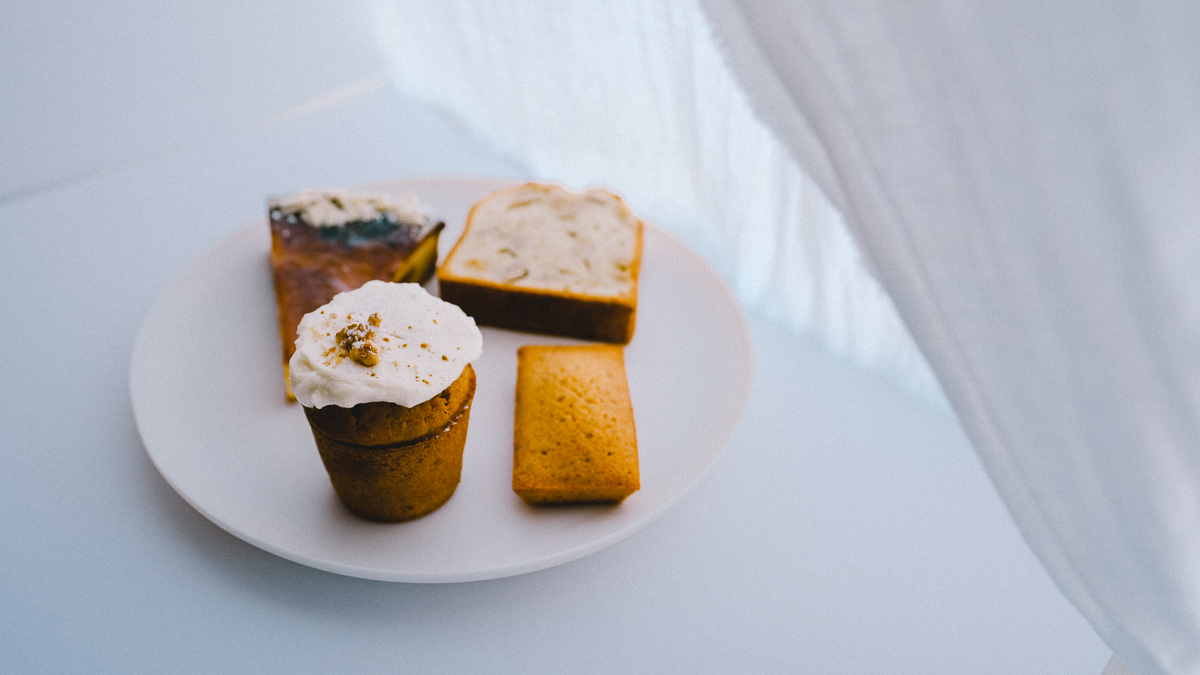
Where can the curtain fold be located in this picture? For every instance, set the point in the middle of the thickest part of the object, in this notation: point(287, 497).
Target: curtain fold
point(1025, 178)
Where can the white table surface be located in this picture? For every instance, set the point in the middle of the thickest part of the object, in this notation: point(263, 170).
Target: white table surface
point(846, 528)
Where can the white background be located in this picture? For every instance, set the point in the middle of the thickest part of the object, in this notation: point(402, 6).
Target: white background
point(846, 528)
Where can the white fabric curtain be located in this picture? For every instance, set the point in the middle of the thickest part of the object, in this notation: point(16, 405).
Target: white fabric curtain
point(1023, 177)
point(1026, 178)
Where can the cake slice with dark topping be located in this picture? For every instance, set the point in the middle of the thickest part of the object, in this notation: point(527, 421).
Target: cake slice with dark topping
point(324, 242)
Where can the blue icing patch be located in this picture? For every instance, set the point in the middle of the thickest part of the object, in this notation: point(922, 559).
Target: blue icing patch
point(361, 233)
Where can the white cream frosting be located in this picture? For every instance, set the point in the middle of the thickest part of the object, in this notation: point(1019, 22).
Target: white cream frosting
point(546, 237)
point(334, 208)
point(423, 344)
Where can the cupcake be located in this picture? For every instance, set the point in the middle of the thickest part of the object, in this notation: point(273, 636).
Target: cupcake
point(384, 374)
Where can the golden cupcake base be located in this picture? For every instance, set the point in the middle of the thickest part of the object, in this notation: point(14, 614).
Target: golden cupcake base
point(412, 461)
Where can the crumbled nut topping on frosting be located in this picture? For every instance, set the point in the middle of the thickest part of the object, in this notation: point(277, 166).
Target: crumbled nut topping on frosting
point(355, 340)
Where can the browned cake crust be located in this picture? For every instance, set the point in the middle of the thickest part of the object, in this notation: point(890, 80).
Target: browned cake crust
point(569, 314)
point(391, 463)
point(573, 437)
point(542, 312)
point(309, 267)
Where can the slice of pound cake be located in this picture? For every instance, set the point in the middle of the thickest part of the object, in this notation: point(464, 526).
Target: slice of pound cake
point(543, 259)
point(573, 435)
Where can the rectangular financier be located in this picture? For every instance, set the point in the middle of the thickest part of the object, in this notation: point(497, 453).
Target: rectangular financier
point(573, 438)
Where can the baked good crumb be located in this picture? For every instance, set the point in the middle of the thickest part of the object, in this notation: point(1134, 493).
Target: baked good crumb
point(541, 258)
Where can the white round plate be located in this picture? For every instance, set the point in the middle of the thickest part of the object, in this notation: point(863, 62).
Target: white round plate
point(207, 389)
